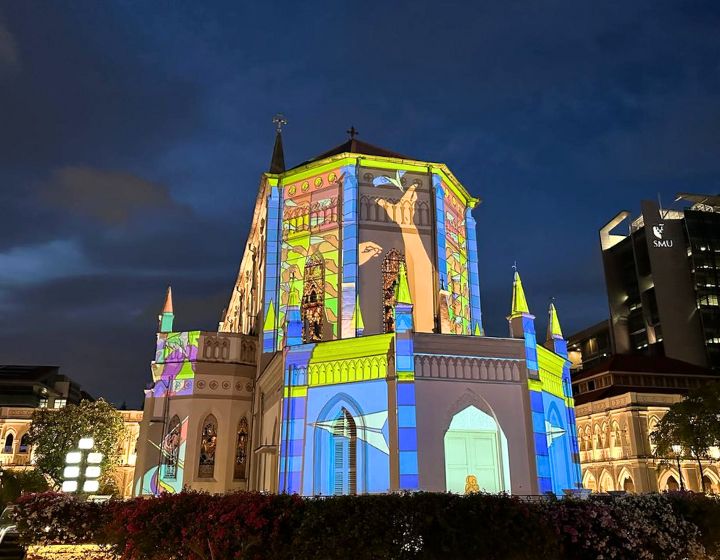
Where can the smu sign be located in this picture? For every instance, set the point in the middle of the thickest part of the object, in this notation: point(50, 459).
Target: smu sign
point(658, 233)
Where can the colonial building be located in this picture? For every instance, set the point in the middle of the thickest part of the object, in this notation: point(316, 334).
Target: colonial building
point(17, 453)
point(618, 404)
point(352, 357)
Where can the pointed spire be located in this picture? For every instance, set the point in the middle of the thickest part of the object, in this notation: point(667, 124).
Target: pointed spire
point(166, 317)
point(270, 318)
point(294, 299)
point(277, 163)
point(357, 318)
point(168, 307)
point(402, 289)
point(519, 303)
point(554, 331)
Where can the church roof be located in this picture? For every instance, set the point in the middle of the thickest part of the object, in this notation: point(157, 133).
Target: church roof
point(356, 146)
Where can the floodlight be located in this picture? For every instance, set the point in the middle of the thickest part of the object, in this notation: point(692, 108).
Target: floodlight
point(69, 486)
point(92, 472)
point(73, 457)
point(71, 472)
point(91, 486)
point(86, 443)
point(94, 458)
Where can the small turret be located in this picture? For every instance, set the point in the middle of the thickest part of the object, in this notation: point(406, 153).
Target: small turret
point(402, 289)
point(554, 340)
point(357, 318)
point(519, 311)
point(166, 317)
point(293, 320)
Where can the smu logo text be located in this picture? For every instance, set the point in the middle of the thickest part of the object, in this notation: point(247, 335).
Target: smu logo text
point(658, 233)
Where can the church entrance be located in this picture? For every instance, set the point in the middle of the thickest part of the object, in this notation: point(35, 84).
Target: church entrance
point(473, 453)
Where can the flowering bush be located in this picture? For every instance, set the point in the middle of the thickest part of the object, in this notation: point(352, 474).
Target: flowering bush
point(254, 526)
point(642, 527)
point(54, 518)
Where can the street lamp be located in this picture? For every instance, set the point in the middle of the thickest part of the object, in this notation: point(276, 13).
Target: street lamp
point(82, 468)
point(677, 449)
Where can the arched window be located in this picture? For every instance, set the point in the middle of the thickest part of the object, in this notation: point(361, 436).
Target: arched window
point(344, 454)
point(208, 444)
point(241, 450)
point(9, 443)
point(313, 301)
point(672, 484)
point(171, 448)
point(390, 270)
point(24, 443)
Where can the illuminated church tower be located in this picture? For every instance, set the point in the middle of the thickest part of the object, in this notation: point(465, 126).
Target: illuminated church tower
point(359, 286)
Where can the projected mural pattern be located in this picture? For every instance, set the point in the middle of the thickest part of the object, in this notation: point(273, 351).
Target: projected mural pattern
point(458, 283)
point(174, 366)
point(310, 230)
point(167, 477)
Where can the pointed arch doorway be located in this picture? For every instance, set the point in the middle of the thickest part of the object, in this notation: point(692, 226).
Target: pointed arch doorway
point(476, 447)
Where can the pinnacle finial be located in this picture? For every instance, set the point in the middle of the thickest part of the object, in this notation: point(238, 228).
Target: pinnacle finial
point(554, 331)
point(279, 121)
point(352, 131)
point(168, 306)
point(519, 302)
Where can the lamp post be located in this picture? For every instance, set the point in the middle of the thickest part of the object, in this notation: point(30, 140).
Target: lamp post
point(82, 468)
point(677, 449)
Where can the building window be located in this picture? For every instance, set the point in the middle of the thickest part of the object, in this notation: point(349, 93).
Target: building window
point(43, 403)
point(208, 443)
point(24, 443)
point(60, 403)
point(171, 448)
point(9, 439)
point(241, 451)
point(344, 455)
point(313, 301)
point(390, 271)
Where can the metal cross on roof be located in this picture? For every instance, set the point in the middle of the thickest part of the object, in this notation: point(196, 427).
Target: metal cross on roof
point(279, 121)
point(352, 132)
point(514, 266)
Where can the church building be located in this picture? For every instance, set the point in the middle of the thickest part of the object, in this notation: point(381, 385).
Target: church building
point(352, 358)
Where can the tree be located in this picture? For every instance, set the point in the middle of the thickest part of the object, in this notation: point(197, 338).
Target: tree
point(693, 423)
point(54, 432)
point(14, 483)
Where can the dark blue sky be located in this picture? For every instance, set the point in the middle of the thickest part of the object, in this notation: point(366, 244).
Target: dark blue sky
point(133, 134)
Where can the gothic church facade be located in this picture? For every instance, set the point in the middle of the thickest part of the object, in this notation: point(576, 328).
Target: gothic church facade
point(352, 357)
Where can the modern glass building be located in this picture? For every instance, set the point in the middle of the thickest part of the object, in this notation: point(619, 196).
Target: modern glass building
point(661, 271)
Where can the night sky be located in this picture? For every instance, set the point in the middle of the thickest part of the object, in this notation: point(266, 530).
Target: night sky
point(133, 135)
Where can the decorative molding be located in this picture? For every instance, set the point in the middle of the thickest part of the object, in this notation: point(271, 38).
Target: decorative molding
point(466, 368)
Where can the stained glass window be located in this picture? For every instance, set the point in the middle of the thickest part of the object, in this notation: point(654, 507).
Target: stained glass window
point(241, 451)
point(313, 301)
point(390, 270)
point(208, 443)
point(171, 448)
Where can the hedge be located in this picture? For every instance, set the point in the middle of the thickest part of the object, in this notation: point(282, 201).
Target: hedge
point(254, 526)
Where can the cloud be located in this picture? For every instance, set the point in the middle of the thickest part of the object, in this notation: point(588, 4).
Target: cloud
point(9, 55)
point(113, 197)
point(32, 264)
